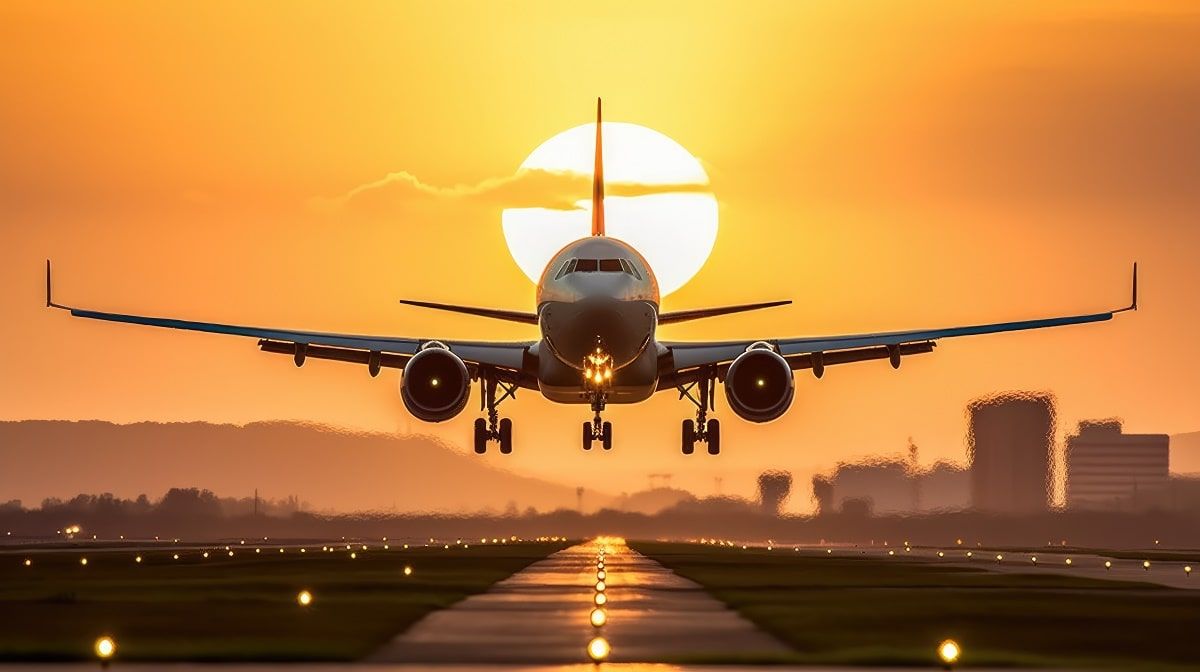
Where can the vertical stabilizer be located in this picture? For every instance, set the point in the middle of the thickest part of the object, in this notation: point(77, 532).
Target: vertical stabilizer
point(598, 181)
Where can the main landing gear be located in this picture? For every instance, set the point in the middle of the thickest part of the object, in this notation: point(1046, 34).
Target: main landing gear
point(701, 429)
point(494, 427)
point(598, 429)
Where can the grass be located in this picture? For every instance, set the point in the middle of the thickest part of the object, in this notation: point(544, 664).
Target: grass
point(241, 608)
point(855, 610)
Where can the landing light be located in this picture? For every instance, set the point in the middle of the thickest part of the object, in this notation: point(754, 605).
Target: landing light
point(433, 382)
point(600, 599)
point(600, 586)
point(408, 570)
point(305, 598)
point(760, 382)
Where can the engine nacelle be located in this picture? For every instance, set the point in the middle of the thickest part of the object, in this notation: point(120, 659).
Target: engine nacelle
point(435, 385)
point(759, 385)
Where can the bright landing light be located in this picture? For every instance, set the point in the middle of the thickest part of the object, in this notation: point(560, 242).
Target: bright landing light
point(675, 231)
point(598, 649)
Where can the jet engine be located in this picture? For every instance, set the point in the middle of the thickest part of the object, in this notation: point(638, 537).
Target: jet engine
point(435, 385)
point(759, 384)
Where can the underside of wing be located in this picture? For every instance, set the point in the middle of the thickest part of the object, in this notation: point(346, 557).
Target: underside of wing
point(374, 351)
point(687, 360)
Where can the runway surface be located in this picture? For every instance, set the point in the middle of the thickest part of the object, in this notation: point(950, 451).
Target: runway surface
point(540, 615)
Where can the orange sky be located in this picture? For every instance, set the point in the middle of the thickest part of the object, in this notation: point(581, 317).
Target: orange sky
point(886, 166)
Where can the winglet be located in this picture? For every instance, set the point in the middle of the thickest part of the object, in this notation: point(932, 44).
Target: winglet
point(598, 181)
point(50, 297)
point(1133, 303)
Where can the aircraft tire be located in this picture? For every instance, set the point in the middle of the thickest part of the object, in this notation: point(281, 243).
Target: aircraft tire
point(689, 436)
point(606, 435)
point(714, 437)
point(587, 436)
point(481, 436)
point(505, 436)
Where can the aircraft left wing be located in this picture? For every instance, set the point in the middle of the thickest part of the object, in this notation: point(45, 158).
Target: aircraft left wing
point(374, 351)
point(687, 361)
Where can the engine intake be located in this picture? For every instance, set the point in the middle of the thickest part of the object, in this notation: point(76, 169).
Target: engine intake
point(759, 385)
point(435, 385)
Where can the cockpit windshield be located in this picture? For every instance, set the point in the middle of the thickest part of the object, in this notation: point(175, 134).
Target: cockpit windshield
point(598, 266)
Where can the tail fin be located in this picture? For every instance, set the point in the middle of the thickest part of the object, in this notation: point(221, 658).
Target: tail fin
point(598, 182)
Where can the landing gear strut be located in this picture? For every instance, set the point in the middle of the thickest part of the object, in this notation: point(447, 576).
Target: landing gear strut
point(701, 429)
point(598, 429)
point(494, 427)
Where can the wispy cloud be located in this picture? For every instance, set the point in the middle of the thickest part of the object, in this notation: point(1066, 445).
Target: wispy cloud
point(557, 190)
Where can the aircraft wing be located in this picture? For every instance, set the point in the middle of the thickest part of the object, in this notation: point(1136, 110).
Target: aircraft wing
point(687, 360)
point(373, 351)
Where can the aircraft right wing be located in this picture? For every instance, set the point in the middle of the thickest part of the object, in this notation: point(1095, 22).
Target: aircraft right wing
point(507, 360)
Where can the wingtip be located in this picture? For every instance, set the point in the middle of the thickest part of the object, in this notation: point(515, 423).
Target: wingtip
point(49, 302)
point(1133, 302)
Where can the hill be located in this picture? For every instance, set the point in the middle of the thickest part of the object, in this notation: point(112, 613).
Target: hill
point(328, 468)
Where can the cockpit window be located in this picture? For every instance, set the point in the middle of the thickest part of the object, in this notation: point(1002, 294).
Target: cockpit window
point(597, 265)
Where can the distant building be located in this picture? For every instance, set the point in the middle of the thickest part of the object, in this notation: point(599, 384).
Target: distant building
point(889, 487)
point(1009, 444)
point(1110, 470)
point(944, 487)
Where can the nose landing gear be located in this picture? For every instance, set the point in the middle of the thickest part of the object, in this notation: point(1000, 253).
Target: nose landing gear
point(494, 427)
point(598, 429)
point(700, 429)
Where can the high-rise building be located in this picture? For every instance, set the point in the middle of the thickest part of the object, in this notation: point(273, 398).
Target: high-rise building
point(1108, 469)
point(1009, 445)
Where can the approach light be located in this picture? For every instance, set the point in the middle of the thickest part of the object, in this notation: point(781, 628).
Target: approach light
point(600, 586)
point(305, 550)
point(600, 599)
point(353, 555)
point(305, 598)
point(598, 649)
point(105, 648)
point(138, 559)
point(175, 556)
point(83, 561)
point(999, 557)
point(829, 551)
point(1068, 562)
point(949, 652)
point(1034, 559)
point(1187, 569)
point(206, 554)
point(598, 617)
point(28, 562)
point(601, 574)
point(1108, 564)
point(407, 570)
point(968, 554)
point(941, 554)
point(891, 552)
point(1146, 565)
point(231, 554)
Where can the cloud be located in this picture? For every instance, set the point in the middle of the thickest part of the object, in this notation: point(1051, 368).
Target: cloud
point(556, 190)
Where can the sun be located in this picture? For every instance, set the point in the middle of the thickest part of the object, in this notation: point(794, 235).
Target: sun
point(675, 231)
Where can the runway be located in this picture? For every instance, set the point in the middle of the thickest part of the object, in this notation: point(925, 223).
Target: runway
point(540, 616)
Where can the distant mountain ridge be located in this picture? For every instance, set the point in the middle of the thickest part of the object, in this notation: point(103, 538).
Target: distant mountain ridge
point(1185, 453)
point(331, 468)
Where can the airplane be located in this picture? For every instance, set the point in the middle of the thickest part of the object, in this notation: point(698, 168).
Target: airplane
point(598, 314)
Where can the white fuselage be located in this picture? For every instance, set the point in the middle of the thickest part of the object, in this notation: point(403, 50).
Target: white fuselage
point(597, 297)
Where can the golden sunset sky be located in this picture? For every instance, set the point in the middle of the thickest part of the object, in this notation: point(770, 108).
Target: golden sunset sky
point(885, 165)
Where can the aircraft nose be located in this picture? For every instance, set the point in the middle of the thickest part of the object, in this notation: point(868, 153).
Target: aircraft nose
point(576, 329)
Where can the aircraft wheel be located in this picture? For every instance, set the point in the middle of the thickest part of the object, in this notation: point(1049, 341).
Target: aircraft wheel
point(714, 437)
point(606, 435)
point(505, 436)
point(481, 436)
point(689, 436)
point(587, 436)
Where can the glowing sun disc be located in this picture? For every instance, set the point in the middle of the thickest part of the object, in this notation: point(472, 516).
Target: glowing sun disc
point(674, 230)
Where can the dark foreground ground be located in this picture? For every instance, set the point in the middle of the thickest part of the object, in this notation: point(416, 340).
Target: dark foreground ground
point(241, 608)
point(854, 610)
